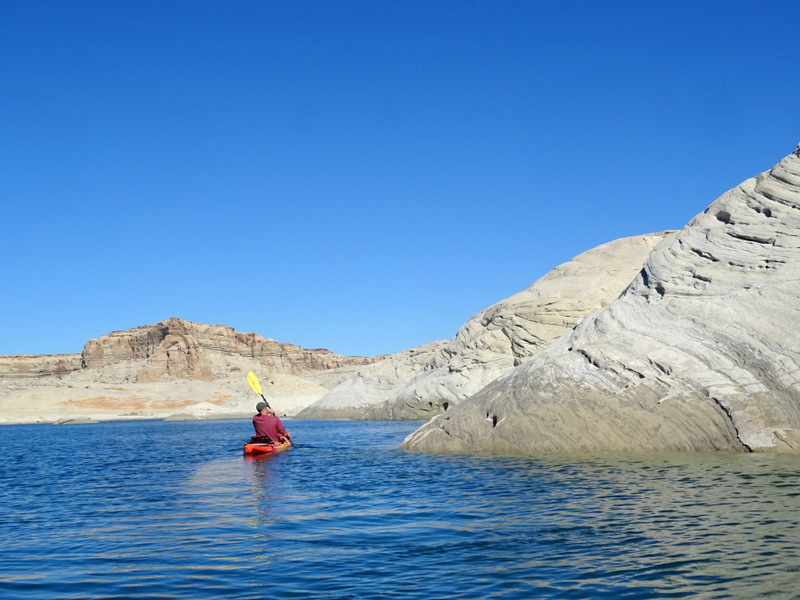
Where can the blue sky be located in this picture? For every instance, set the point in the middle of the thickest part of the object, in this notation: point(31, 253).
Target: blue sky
point(362, 176)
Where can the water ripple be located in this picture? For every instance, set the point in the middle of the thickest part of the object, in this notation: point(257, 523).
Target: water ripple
point(176, 512)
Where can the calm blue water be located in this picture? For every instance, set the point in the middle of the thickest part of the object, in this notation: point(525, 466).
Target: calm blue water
point(153, 509)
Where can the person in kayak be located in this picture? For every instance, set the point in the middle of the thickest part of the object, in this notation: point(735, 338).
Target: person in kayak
point(269, 429)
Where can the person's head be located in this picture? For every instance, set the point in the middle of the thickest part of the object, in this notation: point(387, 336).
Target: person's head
point(263, 409)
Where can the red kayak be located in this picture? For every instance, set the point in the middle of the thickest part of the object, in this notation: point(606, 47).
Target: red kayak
point(258, 449)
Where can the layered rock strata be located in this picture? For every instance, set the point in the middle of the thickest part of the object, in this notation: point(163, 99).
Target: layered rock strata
point(490, 343)
point(182, 349)
point(177, 349)
point(31, 366)
point(700, 353)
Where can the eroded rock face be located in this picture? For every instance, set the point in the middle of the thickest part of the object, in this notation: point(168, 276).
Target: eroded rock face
point(511, 331)
point(700, 353)
point(177, 349)
point(357, 396)
point(185, 350)
point(426, 381)
point(25, 366)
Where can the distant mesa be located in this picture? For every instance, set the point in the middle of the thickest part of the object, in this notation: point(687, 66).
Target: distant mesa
point(177, 349)
point(173, 369)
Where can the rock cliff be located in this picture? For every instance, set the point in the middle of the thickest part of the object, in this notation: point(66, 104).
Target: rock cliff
point(177, 349)
point(185, 350)
point(699, 353)
point(30, 366)
point(492, 342)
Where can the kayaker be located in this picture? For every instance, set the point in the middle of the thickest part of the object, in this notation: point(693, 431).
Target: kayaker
point(269, 428)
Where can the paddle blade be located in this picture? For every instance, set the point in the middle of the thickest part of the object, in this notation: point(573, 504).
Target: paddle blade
point(253, 381)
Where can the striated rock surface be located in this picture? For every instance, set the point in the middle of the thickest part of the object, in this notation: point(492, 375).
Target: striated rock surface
point(511, 331)
point(357, 396)
point(700, 353)
point(490, 343)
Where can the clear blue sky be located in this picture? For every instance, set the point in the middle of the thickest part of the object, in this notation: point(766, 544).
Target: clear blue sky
point(362, 176)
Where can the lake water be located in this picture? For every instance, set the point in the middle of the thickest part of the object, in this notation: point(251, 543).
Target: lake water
point(153, 509)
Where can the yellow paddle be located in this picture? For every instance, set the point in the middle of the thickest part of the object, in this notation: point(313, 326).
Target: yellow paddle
point(253, 381)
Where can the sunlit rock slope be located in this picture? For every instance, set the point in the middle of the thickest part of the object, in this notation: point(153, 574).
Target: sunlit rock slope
point(422, 382)
point(701, 352)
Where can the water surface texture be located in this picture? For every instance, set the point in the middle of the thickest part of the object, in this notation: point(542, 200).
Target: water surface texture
point(153, 509)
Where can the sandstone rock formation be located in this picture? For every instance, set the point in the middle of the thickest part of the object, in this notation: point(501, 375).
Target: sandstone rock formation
point(490, 343)
point(156, 370)
point(185, 350)
point(31, 366)
point(357, 396)
point(701, 352)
